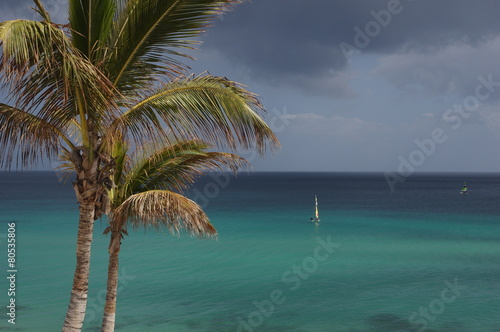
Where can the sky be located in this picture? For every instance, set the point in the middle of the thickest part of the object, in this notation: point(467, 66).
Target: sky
point(396, 86)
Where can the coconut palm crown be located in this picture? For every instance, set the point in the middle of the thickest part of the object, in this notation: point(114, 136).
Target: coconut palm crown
point(114, 72)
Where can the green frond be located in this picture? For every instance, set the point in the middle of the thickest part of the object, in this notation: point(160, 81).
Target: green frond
point(211, 108)
point(45, 74)
point(41, 10)
point(24, 44)
point(176, 166)
point(120, 157)
point(162, 208)
point(26, 138)
point(145, 43)
point(91, 22)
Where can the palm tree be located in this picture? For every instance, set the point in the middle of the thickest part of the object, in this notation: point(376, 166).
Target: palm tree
point(114, 73)
point(146, 193)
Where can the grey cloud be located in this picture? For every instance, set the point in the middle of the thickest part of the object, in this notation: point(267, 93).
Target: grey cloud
point(455, 69)
point(352, 144)
point(287, 41)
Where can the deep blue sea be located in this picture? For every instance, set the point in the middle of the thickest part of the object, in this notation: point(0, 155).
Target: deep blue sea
point(421, 258)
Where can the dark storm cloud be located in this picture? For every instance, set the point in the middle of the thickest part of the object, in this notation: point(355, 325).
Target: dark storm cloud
point(287, 41)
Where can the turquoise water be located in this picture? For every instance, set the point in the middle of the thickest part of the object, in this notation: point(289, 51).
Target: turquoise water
point(421, 258)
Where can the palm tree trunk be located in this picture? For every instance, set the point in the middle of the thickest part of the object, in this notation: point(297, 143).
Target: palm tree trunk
point(78, 300)
point(108, 320)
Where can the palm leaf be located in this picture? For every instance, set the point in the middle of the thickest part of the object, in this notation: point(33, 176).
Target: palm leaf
point(162, 208)
point(147, 30)
point(48, 76)
point(176, 166)
point(91, 22)
point(207, 107)
point(120, 157)
point(41, 10)
point(27, 136)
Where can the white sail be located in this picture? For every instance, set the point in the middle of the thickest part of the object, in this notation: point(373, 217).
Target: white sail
point(316, 211)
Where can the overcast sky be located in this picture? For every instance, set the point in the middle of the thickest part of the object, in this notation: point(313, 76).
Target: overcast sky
point(361, 85)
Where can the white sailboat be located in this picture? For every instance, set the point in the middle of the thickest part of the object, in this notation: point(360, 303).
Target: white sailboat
point(316, 212)
point(464, 189)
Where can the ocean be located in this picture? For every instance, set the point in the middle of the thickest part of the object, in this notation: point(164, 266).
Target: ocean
point(419, 258)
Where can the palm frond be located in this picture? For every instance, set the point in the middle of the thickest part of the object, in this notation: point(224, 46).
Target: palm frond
point(148, 30)
point(207, 107)
point(26, 138)
point(44, 73)
point(161, 208)
point(91, 22)
point(120, 157)
point(41, 10)
point(176, 166)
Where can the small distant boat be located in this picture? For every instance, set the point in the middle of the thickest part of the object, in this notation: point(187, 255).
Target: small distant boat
point(316, 212)
point(464, 189)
